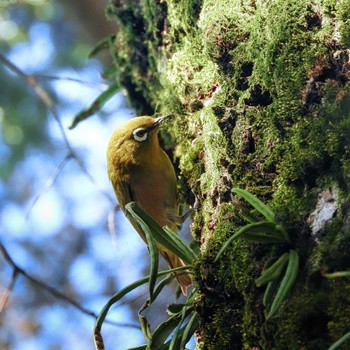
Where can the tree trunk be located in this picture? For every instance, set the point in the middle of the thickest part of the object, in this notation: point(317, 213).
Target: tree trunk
point(262, 96)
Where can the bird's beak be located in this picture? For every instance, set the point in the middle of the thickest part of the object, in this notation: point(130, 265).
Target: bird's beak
point(159, 120)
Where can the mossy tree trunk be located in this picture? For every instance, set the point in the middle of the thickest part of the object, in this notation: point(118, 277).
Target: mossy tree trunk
point(262, 96)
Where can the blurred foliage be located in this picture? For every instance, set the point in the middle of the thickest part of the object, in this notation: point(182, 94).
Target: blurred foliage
point(23, 117)
point(63, 240)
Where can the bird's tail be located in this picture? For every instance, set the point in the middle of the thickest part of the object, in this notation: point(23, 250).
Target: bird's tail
point(185, 280)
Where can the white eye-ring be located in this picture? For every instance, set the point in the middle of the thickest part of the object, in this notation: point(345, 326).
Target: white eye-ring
point(140, 134)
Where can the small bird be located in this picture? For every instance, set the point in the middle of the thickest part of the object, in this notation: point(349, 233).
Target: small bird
point(141, 171)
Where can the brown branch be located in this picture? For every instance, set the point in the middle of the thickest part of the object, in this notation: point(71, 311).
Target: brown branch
point(12, 67)
point(74, 80)
point(47, 101)
point(50, 181)
point(57, 294)
point(6, 294)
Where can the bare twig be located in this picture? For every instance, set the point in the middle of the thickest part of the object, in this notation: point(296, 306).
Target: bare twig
point(13, 67)
point(57, 294)
point(6, 294)
point(92, 180)
point(74, 80)
point(48, 102)
point(50, 181)
point(111, 225)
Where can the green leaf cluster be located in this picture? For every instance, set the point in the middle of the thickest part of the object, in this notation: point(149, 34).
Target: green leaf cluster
point(281, 275)
point(346, 336)
point(182, 321)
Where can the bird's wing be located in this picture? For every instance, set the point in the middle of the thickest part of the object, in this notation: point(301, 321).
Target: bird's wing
point(124, 193)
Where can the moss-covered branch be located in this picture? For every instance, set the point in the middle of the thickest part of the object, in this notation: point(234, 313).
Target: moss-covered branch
point(262, 93)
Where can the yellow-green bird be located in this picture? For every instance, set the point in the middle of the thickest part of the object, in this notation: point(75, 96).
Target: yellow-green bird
point(141, 171)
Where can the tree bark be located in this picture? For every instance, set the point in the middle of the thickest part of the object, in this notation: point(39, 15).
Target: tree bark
point(262, 96)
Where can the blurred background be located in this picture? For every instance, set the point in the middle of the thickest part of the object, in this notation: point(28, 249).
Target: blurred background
point(54, 208)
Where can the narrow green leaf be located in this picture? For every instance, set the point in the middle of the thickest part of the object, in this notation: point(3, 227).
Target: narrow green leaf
point(178, 340)
point(249, 231)
point(270, 292)
point(141, 347)
point(286, 283)
point(96, 105)
point(282, 232)
point(338, 274)
point(177, 336)
point(191, 297)
point(264, 238)
point(184, 311)
point(189, 330)
point(103, 44)
point(340, 341)
point(154, 266)
point(175, 309)
point(119, 295)
point(159, 287)
point(173, 241)
point(145, 328)
point(164, 330)
point(273, 272)
point(261, 207)
point(153, 250)
point(116, 297)
point(109, 73)
point(164, 236)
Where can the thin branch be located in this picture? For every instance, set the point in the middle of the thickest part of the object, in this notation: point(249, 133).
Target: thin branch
point(74, 80)
point(57, 294)
point(111, 225)
point(47, 101)
point(12, 67)
point(92, 179)
point(42, 94)
point(6, 293)
point(50, 181)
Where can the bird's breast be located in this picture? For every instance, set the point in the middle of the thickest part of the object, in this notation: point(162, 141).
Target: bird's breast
point(154, 188)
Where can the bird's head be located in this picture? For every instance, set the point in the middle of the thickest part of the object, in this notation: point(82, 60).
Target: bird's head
point(132, 140)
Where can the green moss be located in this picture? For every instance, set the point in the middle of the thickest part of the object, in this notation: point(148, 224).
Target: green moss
point(262, 94)
point(190, 148)
point(339, 308)
point(303, 326)
point(284, 42)
point(343, 9)
point(214, 151)
point(224, 28)
point(191, 75)
point(226, 292)
point(183, 16)
point(275, 144)
point(316, 312)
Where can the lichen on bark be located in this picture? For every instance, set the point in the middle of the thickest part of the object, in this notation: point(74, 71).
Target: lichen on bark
point(262, 96)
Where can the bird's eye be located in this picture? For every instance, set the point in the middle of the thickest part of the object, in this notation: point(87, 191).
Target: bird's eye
point(140, 134)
